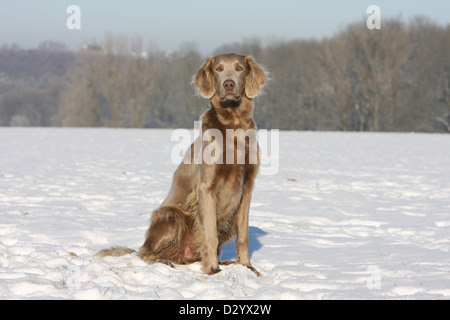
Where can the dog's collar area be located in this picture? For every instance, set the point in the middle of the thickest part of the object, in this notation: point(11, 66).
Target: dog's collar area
point(228, 104)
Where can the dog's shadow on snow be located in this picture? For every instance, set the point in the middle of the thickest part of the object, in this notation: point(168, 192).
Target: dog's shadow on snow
point(228, 251)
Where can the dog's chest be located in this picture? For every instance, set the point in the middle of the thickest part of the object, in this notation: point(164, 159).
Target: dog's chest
point(230, 186)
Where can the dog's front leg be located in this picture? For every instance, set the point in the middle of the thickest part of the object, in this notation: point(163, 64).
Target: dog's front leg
point(242, 229)
point(241, 220)
point(208, 222)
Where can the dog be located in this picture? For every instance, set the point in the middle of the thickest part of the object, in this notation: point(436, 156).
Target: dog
point(209, 201)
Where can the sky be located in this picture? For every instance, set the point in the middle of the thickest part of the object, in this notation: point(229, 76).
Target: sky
point(168, 24)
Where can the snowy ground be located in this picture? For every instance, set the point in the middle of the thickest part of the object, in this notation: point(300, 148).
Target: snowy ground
point(359, 216)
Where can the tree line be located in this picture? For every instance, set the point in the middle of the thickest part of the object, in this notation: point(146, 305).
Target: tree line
point(396, 78)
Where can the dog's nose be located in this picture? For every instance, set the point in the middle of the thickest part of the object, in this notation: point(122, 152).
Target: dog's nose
point(229, 84)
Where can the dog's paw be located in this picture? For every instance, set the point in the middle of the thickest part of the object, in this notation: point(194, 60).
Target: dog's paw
point(212, 270)
point(258, 274)
point(166, 262)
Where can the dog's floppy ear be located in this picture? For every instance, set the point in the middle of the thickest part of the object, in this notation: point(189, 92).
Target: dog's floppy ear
point(204, 79)
point(256, 77)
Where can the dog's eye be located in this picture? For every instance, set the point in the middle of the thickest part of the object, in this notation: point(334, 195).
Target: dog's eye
point(219, 69)
point(239, 68)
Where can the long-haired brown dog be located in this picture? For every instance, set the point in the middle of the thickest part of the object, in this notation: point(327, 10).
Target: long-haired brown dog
point(209, 201)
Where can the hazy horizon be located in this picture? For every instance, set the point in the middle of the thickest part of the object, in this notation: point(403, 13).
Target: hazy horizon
point(208, 25)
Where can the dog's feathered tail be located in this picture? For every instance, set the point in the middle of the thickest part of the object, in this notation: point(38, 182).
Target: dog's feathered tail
point(114, 251)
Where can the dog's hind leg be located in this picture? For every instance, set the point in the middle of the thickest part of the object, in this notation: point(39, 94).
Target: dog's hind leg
point(164, 238)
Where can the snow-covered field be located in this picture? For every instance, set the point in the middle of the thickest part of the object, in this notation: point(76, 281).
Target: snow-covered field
point(348, 215)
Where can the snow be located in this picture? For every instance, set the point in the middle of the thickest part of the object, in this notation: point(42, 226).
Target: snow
point(347, 216)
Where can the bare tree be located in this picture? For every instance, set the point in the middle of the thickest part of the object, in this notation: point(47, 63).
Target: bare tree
point(336, 59)
point(393, 79)
point(113, 86)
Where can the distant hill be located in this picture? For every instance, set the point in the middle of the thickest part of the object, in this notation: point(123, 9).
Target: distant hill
point(34, 62)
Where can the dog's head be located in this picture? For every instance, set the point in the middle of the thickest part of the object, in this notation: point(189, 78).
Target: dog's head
point(230, 76)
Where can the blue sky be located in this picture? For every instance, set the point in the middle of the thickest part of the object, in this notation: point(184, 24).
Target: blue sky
point(208, 24)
